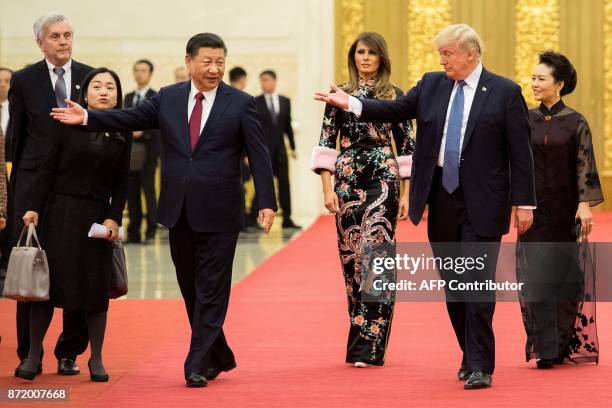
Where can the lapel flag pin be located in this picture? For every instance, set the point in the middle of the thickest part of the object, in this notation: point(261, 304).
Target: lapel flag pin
point(78, 87)
point(484, 89)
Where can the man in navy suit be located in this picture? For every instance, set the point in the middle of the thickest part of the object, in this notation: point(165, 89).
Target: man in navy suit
point(472, 163)
point(205, 126)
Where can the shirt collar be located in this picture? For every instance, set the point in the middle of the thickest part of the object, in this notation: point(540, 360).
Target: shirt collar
point(143, 92)
point(271, 95)
point(474, 77)
point(208, 95)
point(555, 109)
point(66, 66)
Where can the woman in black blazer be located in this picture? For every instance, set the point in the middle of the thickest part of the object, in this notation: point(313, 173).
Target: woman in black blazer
point(83, 180)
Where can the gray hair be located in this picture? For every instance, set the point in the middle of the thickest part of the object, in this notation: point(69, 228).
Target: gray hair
point(465, 36)
point(45, 21)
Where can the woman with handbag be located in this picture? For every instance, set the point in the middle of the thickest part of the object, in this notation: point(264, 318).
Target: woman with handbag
point(558, 326)
point(84, 180)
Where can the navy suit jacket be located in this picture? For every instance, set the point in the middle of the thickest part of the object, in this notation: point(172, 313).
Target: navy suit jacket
point(496, 166)
point(207, 181)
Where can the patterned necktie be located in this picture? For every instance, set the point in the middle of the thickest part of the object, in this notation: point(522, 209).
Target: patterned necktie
point(136, 100)
point(60, 87)
point(195, 120)
point(452, 149)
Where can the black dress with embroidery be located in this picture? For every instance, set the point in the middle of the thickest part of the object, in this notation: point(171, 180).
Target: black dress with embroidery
point(367, 182)
point(565, 175)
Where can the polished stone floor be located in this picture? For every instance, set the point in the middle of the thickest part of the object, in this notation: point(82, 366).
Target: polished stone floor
point(151, 273)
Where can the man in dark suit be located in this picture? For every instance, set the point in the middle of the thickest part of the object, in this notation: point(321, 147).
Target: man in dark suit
point(145, 156)
point(35, 90)
point(472, 163)
point(205, 126)
point(275, 113)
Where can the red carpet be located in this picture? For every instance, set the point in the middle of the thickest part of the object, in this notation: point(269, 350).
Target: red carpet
point(287, 325)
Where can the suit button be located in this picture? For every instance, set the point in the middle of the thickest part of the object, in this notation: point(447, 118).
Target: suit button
point(191, 159)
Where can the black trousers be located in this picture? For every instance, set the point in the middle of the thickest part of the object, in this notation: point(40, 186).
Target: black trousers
point(471, 314)
point(74, 338)
point(144, 181)
point(203, 262)
point(280, 168)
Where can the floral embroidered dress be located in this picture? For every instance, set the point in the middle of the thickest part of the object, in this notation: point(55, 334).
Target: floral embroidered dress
point(367, 182)
point(565, 174)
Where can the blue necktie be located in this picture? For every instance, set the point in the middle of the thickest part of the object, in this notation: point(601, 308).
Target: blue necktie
point(452, 149)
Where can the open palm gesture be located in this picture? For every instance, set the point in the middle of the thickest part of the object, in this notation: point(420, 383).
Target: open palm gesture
point(74, 114)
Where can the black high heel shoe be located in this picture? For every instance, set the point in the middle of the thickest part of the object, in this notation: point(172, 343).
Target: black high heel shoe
point(97, 377)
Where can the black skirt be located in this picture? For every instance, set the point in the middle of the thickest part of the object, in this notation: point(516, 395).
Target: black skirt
point(79, 266)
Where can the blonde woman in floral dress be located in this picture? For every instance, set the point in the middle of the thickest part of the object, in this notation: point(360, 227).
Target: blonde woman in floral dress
point(366, 196)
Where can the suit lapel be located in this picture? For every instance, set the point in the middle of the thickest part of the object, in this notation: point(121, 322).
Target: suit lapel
point(44, 80)
point(480, 98)
point(222, 100)
point(444, 92)
point(78, 74)
point(180, 111)
point(262, 108)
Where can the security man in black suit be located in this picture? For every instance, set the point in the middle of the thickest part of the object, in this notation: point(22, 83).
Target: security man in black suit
point(35, 90)
point(145, 158)
point(275, 113)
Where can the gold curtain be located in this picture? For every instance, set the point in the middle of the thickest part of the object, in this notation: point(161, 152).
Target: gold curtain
point(513, 31)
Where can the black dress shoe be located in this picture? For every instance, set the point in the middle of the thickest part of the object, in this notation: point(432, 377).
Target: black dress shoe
point(290, 224)
point(196, 381)
point(463, 374)
point(213, 373)
point(545, 363)
point(26, 375)
point(478, 380)
point(67, 366)
point(19, 367)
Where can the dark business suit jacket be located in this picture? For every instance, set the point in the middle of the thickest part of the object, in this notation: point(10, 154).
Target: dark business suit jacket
point(206, 181)
point(496, 166)
point(275, 132)
point(31, 99)
point(70, 169)
point(151, 138)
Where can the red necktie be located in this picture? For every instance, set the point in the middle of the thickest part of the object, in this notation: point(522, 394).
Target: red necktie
point(196, 120)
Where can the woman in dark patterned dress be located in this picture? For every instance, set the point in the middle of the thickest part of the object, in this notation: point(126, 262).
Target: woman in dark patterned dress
point(366, 197)
point(567, 184)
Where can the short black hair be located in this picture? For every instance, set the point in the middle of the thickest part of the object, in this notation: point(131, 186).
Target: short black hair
point(236, 74)
point(562, 70)
point(7, 69)
point(204, 40)
point(90, 76)
point(268, 72)
point(145, 61)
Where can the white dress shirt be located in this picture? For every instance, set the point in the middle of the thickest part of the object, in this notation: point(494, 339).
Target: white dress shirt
point(4, 116)
point(67, 76)
point(274, 101)
point(469, 90)
point(141, 94)
point(207, 103)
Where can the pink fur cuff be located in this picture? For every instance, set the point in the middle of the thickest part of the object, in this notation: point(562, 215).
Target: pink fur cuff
point(323, 158)
point(405, 166)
